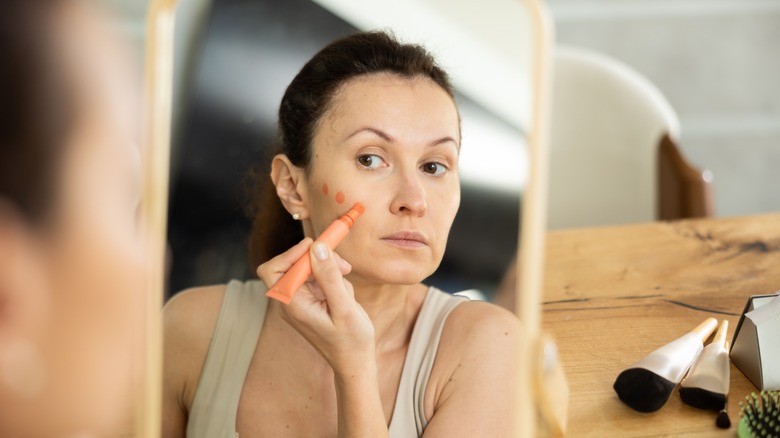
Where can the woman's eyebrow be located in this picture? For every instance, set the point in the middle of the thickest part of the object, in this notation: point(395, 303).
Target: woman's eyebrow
point(444, 140)
point(388, 138)
point(385, 136)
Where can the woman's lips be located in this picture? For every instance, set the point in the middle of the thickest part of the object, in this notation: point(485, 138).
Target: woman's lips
point(406, 239)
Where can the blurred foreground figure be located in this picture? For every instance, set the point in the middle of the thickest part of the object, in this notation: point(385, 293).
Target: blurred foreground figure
point(70, 256)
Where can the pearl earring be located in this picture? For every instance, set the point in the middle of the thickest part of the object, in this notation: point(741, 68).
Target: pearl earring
point(296, 216)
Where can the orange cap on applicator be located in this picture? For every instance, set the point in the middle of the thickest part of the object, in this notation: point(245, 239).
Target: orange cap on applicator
point(354, 213)
point(293, 279)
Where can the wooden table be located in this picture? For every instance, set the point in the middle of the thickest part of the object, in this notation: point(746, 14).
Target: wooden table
point(613, 295)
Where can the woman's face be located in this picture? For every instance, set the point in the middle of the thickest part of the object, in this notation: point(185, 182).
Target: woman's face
point(77, 294)
point(391, 143)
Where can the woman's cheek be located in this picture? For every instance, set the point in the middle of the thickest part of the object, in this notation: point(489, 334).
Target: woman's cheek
point(336, 195)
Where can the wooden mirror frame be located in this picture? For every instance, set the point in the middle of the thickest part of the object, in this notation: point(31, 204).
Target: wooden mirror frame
point(542, 391)
point(154, 206)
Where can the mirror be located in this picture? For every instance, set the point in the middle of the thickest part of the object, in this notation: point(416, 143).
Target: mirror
point(242, 55)
point(234, 59)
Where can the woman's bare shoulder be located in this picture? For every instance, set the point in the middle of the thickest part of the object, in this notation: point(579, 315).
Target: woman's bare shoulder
point(477, 355)
point(191, 315)
point(189, 319)
point(479, 321)
point(477, 333)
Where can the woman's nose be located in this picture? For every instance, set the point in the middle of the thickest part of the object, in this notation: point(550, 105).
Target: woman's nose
point(409, 197)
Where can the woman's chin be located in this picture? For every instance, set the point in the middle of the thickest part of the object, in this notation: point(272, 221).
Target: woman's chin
point(391, 274)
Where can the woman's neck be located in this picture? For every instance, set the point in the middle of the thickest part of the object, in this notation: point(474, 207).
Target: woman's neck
point(392, 309)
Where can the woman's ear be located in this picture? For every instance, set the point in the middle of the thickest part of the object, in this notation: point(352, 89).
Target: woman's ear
point(289, 180)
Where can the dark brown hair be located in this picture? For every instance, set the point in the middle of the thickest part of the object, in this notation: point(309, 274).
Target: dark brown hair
point(34, 111)
point(304, 103)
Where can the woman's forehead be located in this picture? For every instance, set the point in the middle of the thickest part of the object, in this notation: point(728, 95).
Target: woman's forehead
point(400, 107)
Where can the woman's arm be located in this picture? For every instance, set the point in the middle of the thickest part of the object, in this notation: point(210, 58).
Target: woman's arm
point(189, 320)
point(359, 404)
point(480, 345)
point(326, 314)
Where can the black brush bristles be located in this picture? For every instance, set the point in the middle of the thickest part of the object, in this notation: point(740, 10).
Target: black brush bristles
point(703, 399)
point(643, 390)
point(760, 414)
point(723, 421)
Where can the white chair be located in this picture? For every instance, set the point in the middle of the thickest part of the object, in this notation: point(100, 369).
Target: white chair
point(607, 126)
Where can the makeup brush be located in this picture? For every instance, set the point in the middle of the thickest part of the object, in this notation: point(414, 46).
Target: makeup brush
point(722, 420)
point(648, 383)
point(760, 415)
point(707, 383)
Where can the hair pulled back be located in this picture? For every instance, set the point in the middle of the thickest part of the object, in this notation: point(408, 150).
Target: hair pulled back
point(35, 106)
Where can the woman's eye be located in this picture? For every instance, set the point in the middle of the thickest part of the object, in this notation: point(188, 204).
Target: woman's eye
point(370, 161)
point(434, 168)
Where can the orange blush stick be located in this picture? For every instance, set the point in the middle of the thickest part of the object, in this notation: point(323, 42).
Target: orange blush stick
point(293, 279)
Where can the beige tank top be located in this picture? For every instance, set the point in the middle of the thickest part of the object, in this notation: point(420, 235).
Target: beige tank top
point(215, 407)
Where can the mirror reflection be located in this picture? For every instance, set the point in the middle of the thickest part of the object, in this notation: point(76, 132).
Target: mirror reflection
point(288, 115)
point(234, 64)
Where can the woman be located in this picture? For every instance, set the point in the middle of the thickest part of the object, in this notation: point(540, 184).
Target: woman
point(69, 252)
point(364, 349)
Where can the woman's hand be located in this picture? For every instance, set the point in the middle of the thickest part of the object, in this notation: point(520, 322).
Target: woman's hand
point(324, 310)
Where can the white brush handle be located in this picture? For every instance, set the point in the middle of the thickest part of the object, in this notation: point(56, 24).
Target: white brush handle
point(705, 329)
point(710, 371)
point(673, 359)
point(720, 335)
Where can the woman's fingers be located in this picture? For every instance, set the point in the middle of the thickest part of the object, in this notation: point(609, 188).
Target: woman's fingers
point(326, 314)
point(344, 265)
point(273, 269)
point(327, 273)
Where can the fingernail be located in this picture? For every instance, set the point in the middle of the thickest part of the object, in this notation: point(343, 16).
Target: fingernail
point(343, 263)
point(321, 251)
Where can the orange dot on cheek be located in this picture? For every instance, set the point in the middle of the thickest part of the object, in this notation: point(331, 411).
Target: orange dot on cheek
point(325, 188)
point(340, 197)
